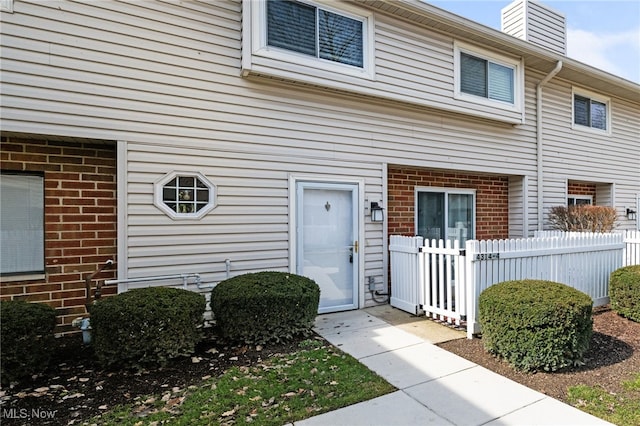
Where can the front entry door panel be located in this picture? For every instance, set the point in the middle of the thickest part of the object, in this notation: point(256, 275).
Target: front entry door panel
point(327, 242)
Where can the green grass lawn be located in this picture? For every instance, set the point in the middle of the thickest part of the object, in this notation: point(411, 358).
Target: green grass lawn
point(315, 379)
point(621, 409)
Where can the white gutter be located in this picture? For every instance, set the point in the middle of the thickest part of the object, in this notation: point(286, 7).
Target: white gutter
point(539, 142)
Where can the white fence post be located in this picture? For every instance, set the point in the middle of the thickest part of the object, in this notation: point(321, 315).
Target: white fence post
point(472, 280)
point(632, 248)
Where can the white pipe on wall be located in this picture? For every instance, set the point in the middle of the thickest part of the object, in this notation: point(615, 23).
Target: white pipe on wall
point(540, 143)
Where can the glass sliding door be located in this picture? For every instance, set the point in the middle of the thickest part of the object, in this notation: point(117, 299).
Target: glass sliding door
point(460, 217)
point(445, 214)
point(430, 211)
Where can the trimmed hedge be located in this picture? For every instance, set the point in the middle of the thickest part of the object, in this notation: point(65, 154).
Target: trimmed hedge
point(624, 292)
point(536, 324)
point(265, 307)
point(147, 326)
point(26, 339)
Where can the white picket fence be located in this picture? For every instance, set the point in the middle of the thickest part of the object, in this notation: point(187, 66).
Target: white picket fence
point(444, 281)
point(632, 248)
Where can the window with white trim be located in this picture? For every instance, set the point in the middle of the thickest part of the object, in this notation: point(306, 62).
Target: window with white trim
point(313, 31)
point(579, 200)
point(185, 195)
point(590, 111)
point(336, 37)
point(485, 77)
point(21, 224)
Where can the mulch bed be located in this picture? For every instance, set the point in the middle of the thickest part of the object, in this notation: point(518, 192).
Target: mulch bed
point(613, 357)
point(75, 388)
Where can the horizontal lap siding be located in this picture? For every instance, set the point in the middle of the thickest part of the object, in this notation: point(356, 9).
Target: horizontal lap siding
point(165, 78)
point(172, 76)
point(585, 156)
point(249, 226)
point(413, 65)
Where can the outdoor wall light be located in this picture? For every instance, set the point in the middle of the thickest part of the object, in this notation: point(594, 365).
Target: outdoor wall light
point(631, 214)
point(377, 212)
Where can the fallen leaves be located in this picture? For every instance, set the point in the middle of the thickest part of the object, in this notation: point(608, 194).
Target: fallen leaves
point(296, 381)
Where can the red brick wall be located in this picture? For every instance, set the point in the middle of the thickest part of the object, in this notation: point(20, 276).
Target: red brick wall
point(80, 220)
point(492, 199)
point(582, 188)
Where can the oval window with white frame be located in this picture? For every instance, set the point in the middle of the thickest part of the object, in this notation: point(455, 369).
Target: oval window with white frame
point(185, 195)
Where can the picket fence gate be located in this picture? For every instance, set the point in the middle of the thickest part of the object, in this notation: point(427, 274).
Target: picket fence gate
point(444, 281)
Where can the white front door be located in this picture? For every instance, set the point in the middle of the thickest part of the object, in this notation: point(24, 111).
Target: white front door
point(327, 247)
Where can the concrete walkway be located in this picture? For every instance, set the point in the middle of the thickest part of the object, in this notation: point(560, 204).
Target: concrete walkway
point(435, 387)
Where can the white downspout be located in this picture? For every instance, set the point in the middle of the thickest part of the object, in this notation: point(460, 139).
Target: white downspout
point(539, 142)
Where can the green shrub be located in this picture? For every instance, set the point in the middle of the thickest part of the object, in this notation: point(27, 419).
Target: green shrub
point(26, 339)
point(147, 326)
point(536, 324)
point(624, 292)
point(265, 307)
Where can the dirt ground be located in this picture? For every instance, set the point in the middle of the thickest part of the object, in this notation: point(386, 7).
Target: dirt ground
point(613, 356)
point(75, 388)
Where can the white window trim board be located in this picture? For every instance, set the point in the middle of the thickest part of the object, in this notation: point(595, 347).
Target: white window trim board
point(518, 84)
point(254, 40)
point(580, 197)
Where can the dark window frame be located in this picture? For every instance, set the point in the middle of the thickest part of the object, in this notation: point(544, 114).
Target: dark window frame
point(325, 21)
point(585, 108)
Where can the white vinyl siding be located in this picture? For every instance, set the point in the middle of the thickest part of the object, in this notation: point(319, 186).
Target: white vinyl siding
point(412, 65)
point(250, 224)
point(6, 6)
point(537, 23)
point(609, 160)
point(164, 78)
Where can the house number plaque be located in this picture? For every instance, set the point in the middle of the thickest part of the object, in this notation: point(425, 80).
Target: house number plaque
point(487, 256)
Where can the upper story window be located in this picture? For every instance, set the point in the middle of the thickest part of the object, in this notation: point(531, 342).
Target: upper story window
point(488, 78)
point(337, 37)
point(21, 224)
point(185, 195)
point(590, 111)
point(482, 77)
point(313, 31)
